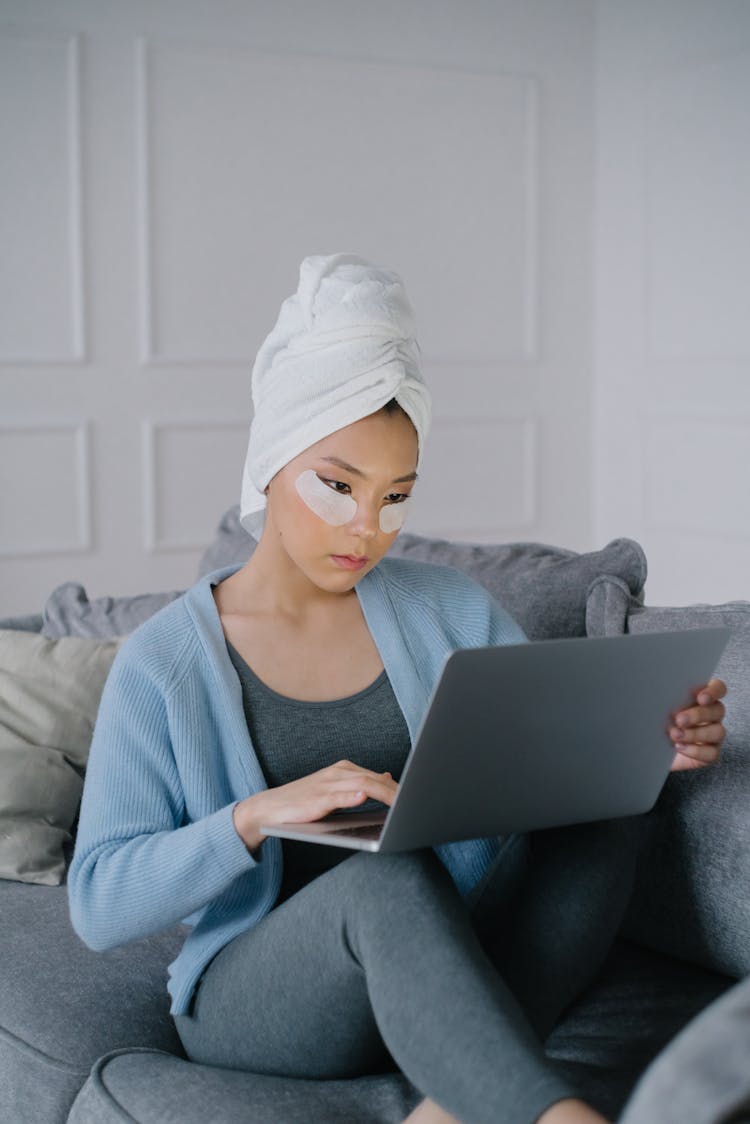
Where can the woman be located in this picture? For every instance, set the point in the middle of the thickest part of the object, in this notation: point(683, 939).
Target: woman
point(292, 686)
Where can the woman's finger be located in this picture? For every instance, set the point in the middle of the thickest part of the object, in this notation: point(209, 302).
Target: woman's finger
point(339, 786)
point(713, 733)
point(716, 688)
point(380, 785)
point(351, 767)
point(700, 715)
point(699, 753)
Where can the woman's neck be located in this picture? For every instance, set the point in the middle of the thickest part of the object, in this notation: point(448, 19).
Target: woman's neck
point(271, 583)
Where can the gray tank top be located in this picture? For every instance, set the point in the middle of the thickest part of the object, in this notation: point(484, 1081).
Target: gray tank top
point(293, 737)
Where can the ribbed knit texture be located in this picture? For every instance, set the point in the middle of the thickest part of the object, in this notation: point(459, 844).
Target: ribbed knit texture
point(171, 755)
point(293, 738)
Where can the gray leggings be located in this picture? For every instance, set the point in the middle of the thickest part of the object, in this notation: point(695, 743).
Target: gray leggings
point(380, 962)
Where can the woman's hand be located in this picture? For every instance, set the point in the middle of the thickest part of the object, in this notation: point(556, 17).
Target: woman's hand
point(698, 731)
point(343, 785)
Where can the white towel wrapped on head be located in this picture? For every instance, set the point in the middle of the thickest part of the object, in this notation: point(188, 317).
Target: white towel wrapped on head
point(343, 345)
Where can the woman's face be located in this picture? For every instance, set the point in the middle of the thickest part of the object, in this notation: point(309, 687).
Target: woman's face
point(373, 463)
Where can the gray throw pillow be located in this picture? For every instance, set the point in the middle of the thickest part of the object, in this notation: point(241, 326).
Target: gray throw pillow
point(691, 896)
point(543, 587)
point(49, 696)
point(68, 612)
point(29, 622)
point(231, 546)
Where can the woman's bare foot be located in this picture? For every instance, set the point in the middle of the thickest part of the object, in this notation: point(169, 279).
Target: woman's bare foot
point(571, 1111)
point(427, 1112)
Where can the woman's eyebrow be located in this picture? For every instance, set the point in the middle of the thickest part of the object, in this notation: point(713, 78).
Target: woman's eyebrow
point(358, 471)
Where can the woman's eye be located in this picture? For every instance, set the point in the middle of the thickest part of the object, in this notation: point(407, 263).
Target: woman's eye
point(336, 485)
point(397, 497)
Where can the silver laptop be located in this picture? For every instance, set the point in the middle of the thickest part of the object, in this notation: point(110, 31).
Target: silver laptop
point(535, 735)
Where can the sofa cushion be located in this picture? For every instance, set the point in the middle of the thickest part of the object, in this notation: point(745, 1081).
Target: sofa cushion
point(231, 545)
point(639, 1001)
point(703, 1076)
point(543, 587)
point(690, 897)
point(49, 696)
point(68, 612)
point(62, 1005)
point(151, 1088)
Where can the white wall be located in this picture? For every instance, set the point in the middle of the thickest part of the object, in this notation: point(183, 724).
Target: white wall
point(171, 165)
point(672, 307)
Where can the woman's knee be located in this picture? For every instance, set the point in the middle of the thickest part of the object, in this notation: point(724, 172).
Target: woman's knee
point(370, 887)
point(604, 846)
point(398, 872)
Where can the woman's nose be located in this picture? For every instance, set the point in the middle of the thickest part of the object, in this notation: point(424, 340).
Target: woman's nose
point(365, 522)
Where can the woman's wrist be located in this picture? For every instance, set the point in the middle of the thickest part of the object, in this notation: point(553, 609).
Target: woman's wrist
point(246, 819)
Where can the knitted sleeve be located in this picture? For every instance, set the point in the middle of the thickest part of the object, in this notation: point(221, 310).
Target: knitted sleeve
point(137, 867)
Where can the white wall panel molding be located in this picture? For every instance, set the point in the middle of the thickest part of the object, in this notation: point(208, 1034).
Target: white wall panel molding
point(45, 498)
point(696, 474)
point(144, 224)
point(696, 169)
point(480, 477)
point(530, 352)
point(41, 219)
point(192, 472)
point(432, 171)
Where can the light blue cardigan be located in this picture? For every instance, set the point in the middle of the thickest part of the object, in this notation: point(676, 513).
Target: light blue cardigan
point(171, 756)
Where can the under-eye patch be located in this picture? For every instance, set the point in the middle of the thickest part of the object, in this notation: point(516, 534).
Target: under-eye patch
point(393, 515)
point(333, 507)
point(336, 508)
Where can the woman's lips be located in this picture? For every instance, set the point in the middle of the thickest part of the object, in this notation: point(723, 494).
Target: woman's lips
point(350, 561)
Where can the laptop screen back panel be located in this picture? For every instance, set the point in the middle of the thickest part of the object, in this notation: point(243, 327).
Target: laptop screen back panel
point(549, 733)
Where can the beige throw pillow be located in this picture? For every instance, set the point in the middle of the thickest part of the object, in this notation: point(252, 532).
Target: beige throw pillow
point(49, 696)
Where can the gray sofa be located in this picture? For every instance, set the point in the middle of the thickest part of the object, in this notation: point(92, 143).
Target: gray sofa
point(87, 1038)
